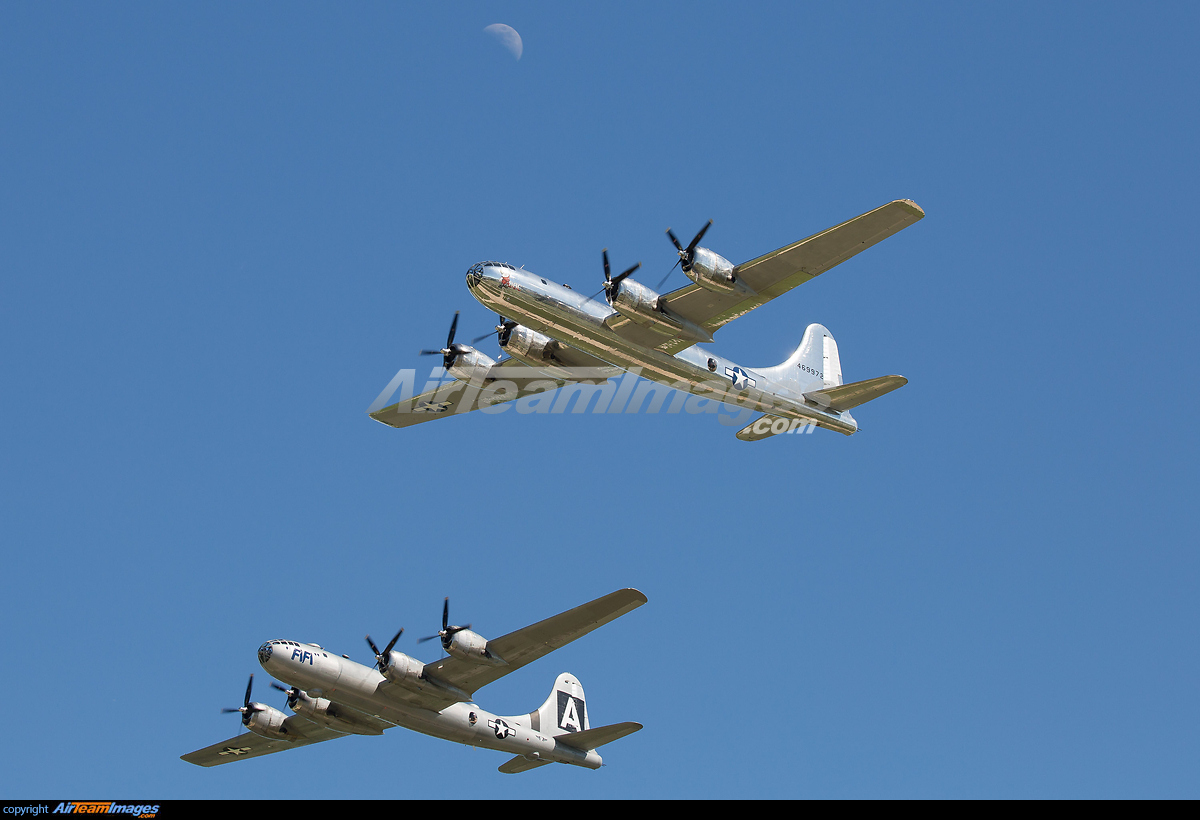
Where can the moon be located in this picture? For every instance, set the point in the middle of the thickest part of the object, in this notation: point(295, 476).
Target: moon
point(507, 36)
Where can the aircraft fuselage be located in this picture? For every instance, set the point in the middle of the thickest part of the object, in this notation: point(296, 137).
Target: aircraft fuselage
point(321, 674)
point(575, 320)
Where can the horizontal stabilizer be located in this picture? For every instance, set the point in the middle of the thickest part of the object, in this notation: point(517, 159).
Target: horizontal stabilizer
point(767, 426)
point(595, 738)
point(520, 763)
point(846, 396)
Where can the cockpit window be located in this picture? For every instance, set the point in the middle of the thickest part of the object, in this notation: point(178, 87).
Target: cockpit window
point(477, 269)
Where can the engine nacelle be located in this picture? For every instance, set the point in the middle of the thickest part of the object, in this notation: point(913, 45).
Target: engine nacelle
point(470, 365)
point(539, 351)
point(714, 272)
point(404, 670)
point(530, 347)
point(268, 722)
point(410, 673)
point(333, 715)
point(640, 305)
point(471, 646)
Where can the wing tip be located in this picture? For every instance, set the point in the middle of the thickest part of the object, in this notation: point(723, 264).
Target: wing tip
point(636, 595)
point(916, 209)
point(378, 416)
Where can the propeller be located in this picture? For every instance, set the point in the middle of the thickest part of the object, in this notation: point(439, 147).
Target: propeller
point(504, 329)
point(687, 255)
point(447, 631)
point(450, 350)
point(247, 708)
point(381, 657)
point(292, 695)
point(611, 282)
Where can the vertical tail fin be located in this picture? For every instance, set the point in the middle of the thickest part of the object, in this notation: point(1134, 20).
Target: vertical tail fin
point(564, 711)
point(815, 365)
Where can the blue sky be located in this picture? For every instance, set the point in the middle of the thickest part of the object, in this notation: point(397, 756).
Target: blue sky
point(224, 227)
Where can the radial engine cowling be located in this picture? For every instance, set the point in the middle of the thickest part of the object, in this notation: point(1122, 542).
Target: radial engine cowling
point(529, 346)
point(471, 646)
point(268, 722)
point(403, 670)
point(469, 364)
point(714, 272)
point(333, 715)
point(640, 305)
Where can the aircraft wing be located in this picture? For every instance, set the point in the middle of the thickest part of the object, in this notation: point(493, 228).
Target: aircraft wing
point(775, 273)
point(527, 645)
point(456, 397)
point(248, 744)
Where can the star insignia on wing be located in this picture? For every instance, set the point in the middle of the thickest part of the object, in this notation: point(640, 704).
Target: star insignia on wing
point(432, 407)
point(235, 750)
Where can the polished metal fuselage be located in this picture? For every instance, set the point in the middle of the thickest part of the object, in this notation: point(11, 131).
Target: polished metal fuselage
point(320, 673)
point(576, 320)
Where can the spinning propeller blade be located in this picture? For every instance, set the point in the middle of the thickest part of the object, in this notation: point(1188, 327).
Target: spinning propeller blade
point(450, 350)
point(688, 255)
point(612, 282)
point(504, 329)
point(291, 693)
point(247, 708)
point(381, 657)
point(447, 630)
